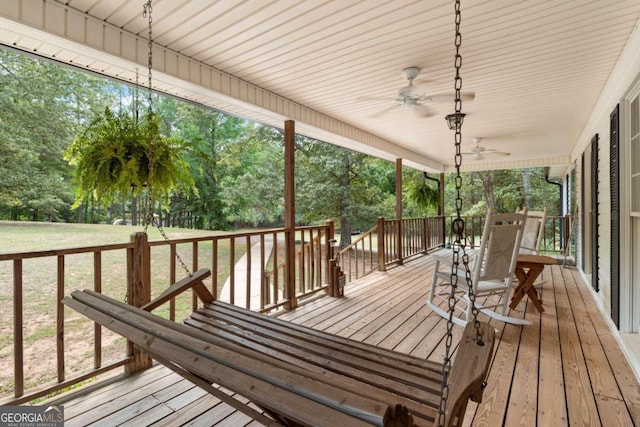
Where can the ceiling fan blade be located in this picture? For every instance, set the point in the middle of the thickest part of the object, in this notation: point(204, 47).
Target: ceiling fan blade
point(424, 111)
point(497, 153)
point(385, 111)
point(449, 97)
point(481, 154)
point(371, 98)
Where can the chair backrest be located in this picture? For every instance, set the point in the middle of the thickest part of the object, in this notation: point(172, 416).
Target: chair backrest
point(533, 232)
point(499, 246)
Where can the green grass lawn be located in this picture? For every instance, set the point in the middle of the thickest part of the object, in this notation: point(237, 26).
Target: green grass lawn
point(40, 290)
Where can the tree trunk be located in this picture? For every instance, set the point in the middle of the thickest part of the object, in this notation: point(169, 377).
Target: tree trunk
point(345, 231)
point(526, 185)
point(134, 210)
point(487, 184)
point(80, 213)
point(92, 219)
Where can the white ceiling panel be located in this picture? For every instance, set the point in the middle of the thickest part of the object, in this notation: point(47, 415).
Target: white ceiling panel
point(537, 67)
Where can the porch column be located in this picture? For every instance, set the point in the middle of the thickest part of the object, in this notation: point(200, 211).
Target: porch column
point(399, 209)
point(443, 234)
point(289, 214)
point(138, 293)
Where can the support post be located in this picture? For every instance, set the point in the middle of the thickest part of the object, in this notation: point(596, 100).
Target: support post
point(382, 258)
point(328, 254)
point(425, 234)
point(443, 234)
point(399, 235)
point(138, 293)
point(289, 214)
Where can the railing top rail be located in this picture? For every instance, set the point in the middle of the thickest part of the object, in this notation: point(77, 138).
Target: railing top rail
point(359, 239)
point(64, 251)
point(234, 235)
point(415, 218)
point(10, 256)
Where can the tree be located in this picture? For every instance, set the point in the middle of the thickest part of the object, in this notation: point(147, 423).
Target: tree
point(35, 128)
point(504, 191)
point(333, 182)
point(252, 190)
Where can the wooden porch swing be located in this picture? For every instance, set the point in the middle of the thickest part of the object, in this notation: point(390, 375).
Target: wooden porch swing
point(296, 375)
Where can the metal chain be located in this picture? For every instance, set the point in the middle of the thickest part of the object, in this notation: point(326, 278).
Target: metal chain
point(458, 226)
point(150, 202)
point(147, 14)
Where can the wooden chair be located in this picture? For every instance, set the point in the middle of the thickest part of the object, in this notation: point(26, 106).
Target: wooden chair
point(296, 375)
point(533, 232)
point(533, 235)
point(492, 271)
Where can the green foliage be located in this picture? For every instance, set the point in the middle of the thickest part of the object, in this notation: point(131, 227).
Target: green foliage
point(333, 182)
point(504, 191)
point(210, 170)
point(117, 155)
point(422, 194)
point(34, 131)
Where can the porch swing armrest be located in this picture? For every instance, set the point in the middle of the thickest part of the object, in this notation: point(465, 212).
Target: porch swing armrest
point(195, 282)
point(470, 368)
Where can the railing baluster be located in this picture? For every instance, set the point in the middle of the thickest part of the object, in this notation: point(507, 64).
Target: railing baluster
point(248, 276)
point(214, 268)
point(232, 275)
point(194, 267)
point(172, 279)
point(18, 335)
point(301, 283)
point(97, 329)
point(276, 274)
point(60, 319)
point(264, 290)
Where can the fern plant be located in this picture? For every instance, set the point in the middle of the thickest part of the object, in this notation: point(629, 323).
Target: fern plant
point(119, 155)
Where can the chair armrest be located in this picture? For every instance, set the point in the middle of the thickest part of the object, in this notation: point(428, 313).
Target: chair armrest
point(446, 256)
point(190, 282)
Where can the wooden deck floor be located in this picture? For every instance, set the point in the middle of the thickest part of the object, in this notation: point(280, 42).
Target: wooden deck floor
point(566, 368)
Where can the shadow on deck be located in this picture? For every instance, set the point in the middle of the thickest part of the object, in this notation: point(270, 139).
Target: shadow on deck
point(566, 368)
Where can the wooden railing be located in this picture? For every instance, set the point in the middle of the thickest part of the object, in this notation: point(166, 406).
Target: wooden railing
point(402, 239)
point(136, 270)
point(133, 272)
point(390, 242)
point(313, 249)
point(361, 256)
point(556, 232)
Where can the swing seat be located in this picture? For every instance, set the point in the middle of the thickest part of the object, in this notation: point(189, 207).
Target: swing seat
point(296, 375)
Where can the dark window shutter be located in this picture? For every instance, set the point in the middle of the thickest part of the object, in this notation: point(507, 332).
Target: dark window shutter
point(594, 213)
point(614, 182)
point(583, 215)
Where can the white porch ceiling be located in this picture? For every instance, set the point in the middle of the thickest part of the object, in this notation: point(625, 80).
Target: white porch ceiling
point(537, 67)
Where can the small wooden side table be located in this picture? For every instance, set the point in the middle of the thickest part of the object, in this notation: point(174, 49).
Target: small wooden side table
point(528, 268)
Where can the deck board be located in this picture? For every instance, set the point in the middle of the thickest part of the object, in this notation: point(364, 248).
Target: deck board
point(552, 406)
point(581, 404)
point(566, 368)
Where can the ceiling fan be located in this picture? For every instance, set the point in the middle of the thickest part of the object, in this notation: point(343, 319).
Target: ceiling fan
point(415, 98)
point(479, 152)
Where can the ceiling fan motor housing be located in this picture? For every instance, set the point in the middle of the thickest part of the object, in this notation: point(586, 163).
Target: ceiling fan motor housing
point(411, 73)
